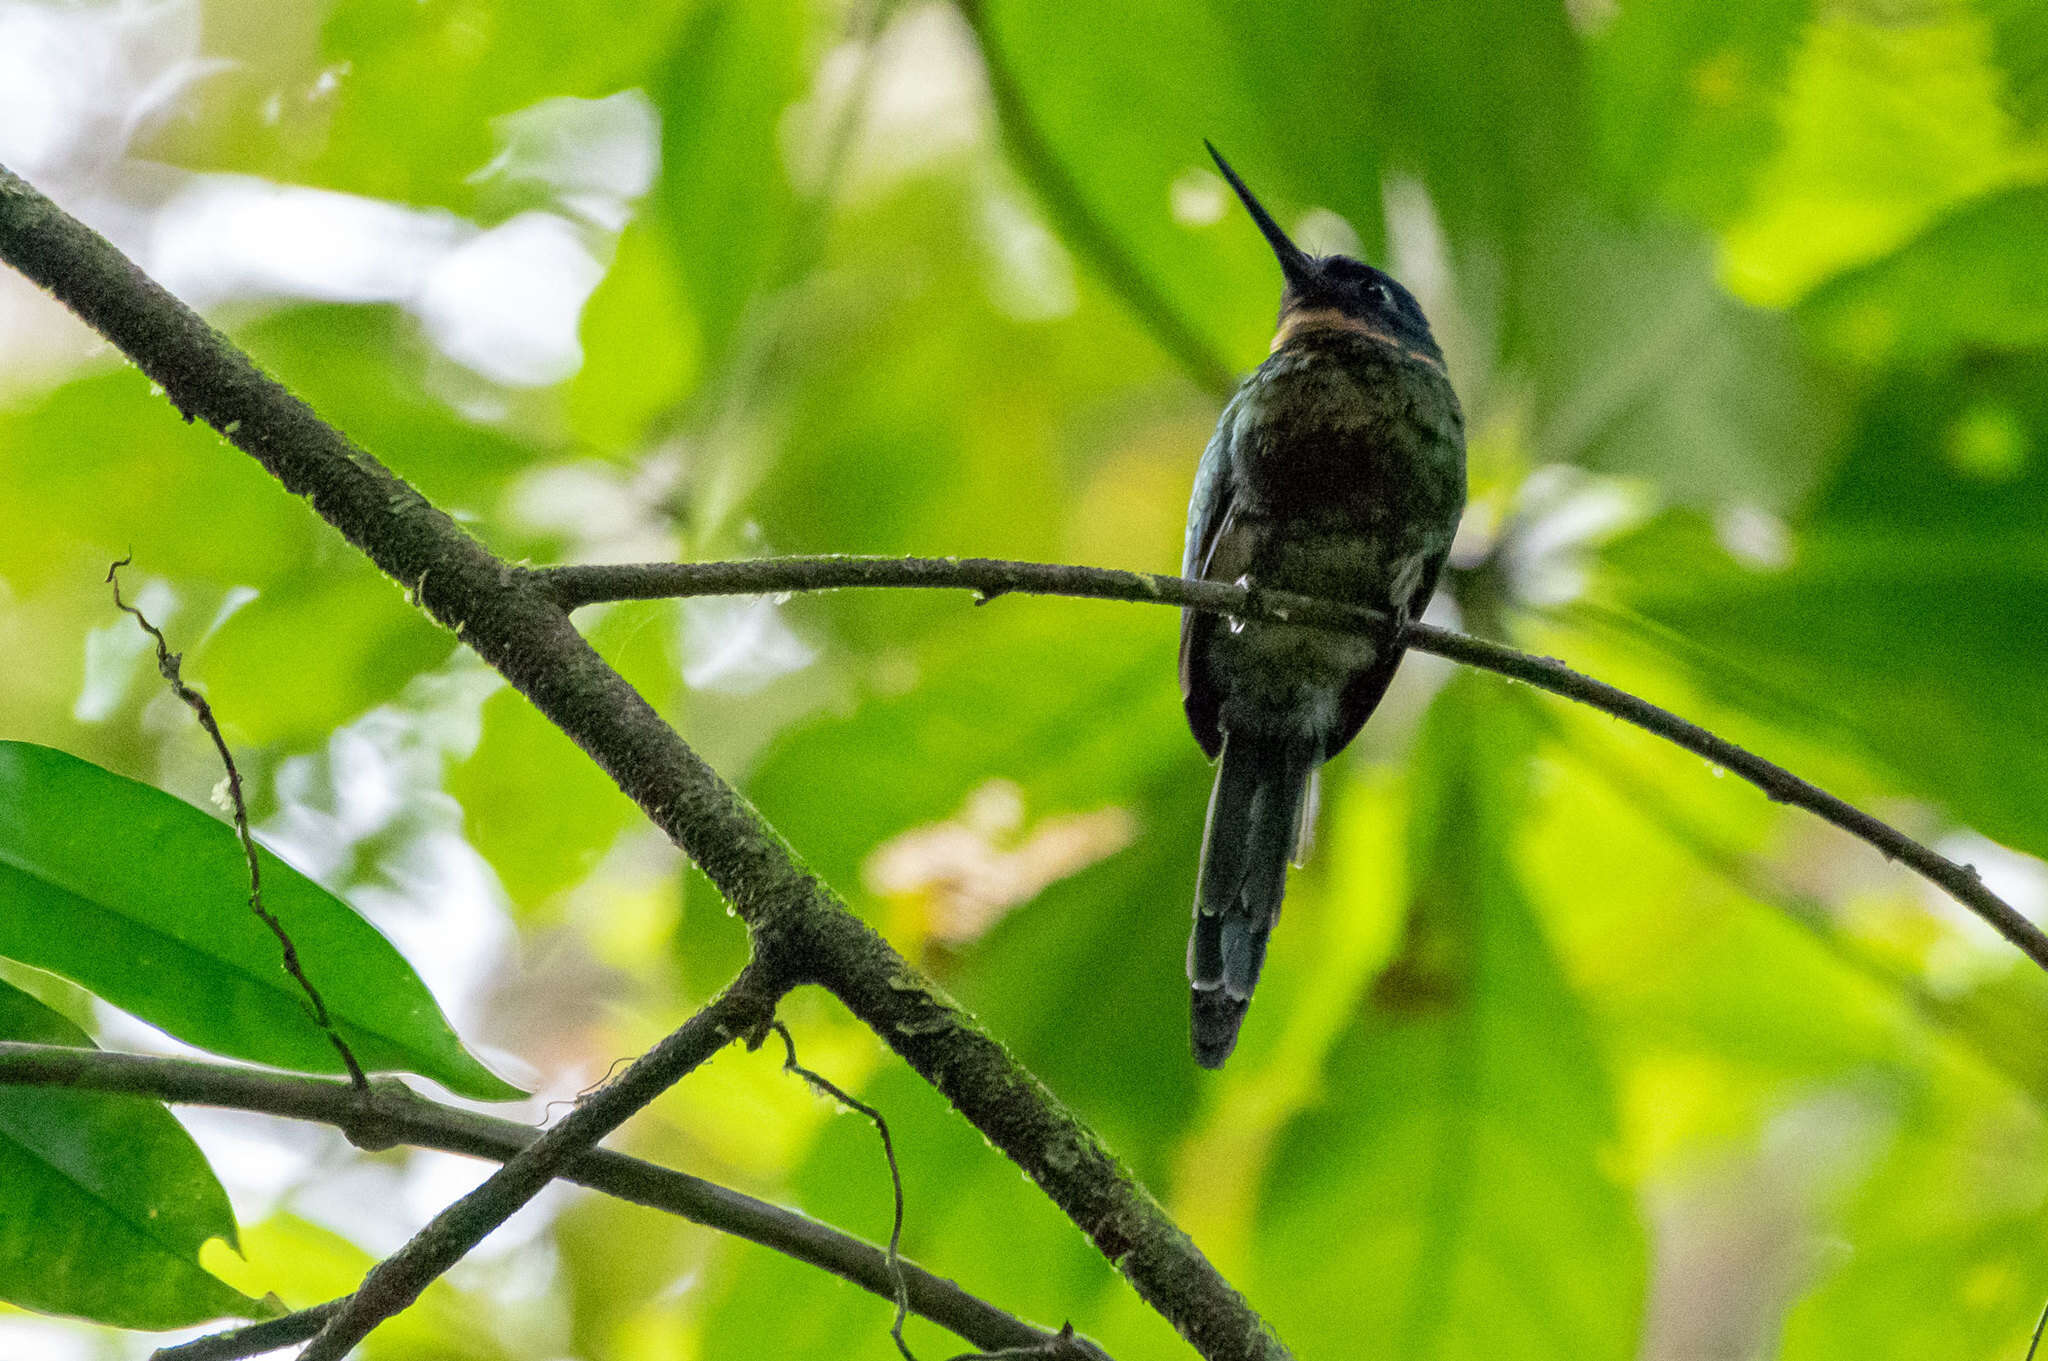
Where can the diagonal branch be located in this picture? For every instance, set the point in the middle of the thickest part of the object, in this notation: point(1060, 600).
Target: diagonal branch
point(801, 928)
point(394, 1283)
point(991, 577)
point(395, 1114)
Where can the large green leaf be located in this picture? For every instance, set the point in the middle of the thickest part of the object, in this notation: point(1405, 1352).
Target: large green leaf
point(1687, 98)
point(107, 1199)
point(143, 899)
point(1710, 399)
point(1312, 105)
point(481, 59)
point(725, 196)
point(1947, 1226)
point(1912, 612)
point(1973, 279)
point(1451, 1197)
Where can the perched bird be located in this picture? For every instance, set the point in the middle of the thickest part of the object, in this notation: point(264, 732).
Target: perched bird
point(1336, 470)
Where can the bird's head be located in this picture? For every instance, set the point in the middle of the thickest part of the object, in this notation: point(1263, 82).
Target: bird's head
point(1336, 291)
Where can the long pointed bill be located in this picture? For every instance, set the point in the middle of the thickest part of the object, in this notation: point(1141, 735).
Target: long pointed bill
point(1295, 263)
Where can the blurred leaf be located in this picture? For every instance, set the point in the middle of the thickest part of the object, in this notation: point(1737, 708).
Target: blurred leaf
point(638, 353)
point(368, 371)
point(480, 59)
point(1458, 1163)
point(2019, 32)
point(1973, 279)
point(968, 1214)
point(1075, 704)
point(1686, 97)
point(725, 197)
point(1310, 104)
point(1710, 398)
point(1948, 1230)
point(1913, 614)
point(108, 1199)
point(143, 899)
point(1077, 74)
point(316, 651)
point(103, 466)
point(534, 805)
point(1890, 117)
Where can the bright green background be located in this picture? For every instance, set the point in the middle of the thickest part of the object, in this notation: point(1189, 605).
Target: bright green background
point(1567, 1048)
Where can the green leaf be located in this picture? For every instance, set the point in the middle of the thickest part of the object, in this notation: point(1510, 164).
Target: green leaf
point(1888, 120)
point(725, 196)
point(1687, 97)
point(534, 804)
point(1947, 1224)
point(481, 59)
point(1973, 279)
point(107, 1202)
point(1712, 399)
point(143, 899)
point(1912, 612)
point(1451, 1197)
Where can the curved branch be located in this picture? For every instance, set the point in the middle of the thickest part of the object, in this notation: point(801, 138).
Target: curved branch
point(515, 626)
point(394, 1114)
point(990, 577)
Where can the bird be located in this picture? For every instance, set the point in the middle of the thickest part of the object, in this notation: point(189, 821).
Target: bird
point(1337, 470)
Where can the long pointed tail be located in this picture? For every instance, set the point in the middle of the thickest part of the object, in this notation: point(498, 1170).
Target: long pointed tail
point(1254, 822)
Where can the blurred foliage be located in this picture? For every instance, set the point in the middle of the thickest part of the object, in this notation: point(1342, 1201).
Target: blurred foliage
point(1566, 1048)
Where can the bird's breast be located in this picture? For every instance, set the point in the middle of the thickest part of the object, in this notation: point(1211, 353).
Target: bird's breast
point(1346, 430)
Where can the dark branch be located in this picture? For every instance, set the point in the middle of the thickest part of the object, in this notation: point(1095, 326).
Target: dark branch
point(990, 577)
point(394, 1283)
point(392, 1114)
point(516, 627)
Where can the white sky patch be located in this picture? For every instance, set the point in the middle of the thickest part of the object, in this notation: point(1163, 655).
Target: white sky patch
point(1973, 952)
point(738, 645)
point(507, 303)
point(597, 156)
point(1564, 512)
point(49, 1339)
point(926, 100)
point(1198, 198)
point(431, 894)
point(611, 514)
point(229, 237)
point(1033, 276)
point(1755, 537)
point(78, 82)
point(1323, 232)
point(118, 651)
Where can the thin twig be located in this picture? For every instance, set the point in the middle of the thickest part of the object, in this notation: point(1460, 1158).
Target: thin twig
point(2035, 1344)
point(396, 1115)
point(1065, 1345)
point(991, 577)
point(168, 664)
point(837, 1093)
point(394, 1283)
point(255, 1339)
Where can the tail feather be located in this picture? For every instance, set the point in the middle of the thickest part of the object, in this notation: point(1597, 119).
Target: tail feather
point(1255, 818)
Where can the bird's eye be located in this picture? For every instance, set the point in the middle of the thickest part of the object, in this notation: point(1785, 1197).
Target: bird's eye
point(1379, 292)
